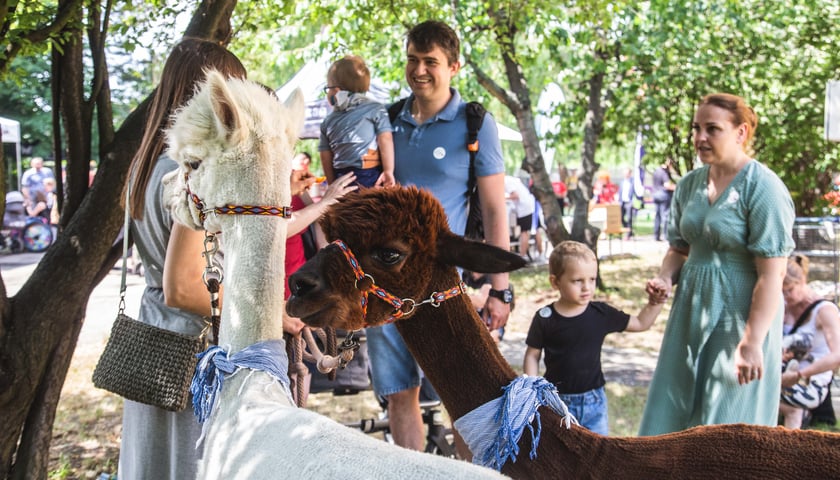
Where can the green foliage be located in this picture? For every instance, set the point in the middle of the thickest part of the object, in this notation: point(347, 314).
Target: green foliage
point(658, 57)
point(626, 405)
point(778, 57)
point(25, 97)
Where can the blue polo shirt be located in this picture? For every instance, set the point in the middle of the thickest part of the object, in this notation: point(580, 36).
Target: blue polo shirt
point(434, 155)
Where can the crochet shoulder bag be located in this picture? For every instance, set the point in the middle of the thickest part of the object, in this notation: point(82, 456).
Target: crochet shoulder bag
point(145, 363)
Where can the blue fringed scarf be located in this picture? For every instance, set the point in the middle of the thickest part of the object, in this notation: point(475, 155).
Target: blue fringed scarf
point(214, 365)
point(494, 442)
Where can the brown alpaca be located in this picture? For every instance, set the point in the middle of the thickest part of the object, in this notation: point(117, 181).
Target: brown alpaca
point(401, 239)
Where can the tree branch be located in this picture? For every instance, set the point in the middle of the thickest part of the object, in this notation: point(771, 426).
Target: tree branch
point(504, 96)
point(211, 21)
point(65, 13)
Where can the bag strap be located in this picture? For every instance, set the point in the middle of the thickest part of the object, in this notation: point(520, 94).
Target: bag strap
point(125, 248)
point(801, 320)
point(212, 278)
point(395, 109)
point(475, 119)
point(212, 275)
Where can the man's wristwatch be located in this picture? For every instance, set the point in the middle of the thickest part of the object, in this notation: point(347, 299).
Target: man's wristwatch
point(505, 295)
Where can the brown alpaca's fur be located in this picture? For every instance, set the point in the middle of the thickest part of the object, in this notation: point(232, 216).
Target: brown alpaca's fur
point(457, 354)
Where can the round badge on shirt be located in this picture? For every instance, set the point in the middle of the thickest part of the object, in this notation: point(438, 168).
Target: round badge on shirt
point(439, 153)
point(545, 312)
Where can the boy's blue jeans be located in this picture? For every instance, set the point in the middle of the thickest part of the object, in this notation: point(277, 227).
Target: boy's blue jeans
point(590, 409)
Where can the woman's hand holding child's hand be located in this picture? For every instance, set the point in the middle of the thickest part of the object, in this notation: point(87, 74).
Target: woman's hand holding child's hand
point(658, 291)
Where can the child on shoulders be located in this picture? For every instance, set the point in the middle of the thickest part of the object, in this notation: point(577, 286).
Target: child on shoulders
point(356, 135)
point(571, 331)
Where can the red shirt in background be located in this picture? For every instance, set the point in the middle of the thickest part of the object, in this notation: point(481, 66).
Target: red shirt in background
point(295, 257)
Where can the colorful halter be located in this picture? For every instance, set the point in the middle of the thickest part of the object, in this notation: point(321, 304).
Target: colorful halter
point(402, 307)
point(230, 209)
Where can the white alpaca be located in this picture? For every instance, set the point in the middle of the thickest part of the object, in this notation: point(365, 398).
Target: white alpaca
point(233, 143)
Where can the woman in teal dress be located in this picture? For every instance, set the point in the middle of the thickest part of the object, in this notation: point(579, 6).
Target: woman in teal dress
point(730, 236)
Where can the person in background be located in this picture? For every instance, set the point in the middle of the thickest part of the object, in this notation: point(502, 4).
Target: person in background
point(356, 135)
point(604, 189)
point(430, 134)
point(306, 213)
point(663, 190)
point(43, 202)
point(720, 360)
point(92, 169)
point(301, 162)
point(52, 204)
point(157, 443)
point(537, 227)
point(627, 199)
point(571, 182)
point(806, 385)
point(560, 190)
point(571, 331)
point(32, 180)
point(522, 204)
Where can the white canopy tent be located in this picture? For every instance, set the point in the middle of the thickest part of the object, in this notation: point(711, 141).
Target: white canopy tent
point(312, 79)
point(11, 134)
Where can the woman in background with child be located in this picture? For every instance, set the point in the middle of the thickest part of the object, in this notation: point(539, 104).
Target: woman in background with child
point(729, 236)
point(814, 323)
point(571, 330)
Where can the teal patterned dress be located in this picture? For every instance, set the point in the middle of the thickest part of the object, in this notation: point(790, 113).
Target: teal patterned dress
point(695, 381)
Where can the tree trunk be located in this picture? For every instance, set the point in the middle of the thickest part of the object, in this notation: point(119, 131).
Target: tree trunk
point(593, 124)
point(518, 100)
point(40, 325)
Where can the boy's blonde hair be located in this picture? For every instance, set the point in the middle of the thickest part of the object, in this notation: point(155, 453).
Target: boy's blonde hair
point(566, 251)
point(349, 73)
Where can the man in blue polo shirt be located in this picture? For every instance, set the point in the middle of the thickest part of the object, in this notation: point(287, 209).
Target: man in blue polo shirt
point(430, 136)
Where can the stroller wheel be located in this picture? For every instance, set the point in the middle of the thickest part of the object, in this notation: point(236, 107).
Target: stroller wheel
point(37, 237)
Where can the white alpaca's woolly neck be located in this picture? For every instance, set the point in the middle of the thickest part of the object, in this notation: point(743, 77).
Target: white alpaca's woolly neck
point(255, 248)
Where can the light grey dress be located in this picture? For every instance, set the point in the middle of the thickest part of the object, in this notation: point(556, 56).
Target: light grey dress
point(158, 444)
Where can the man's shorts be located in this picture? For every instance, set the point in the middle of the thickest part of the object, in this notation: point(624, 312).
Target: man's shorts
point(393, 369)
point(525, 222)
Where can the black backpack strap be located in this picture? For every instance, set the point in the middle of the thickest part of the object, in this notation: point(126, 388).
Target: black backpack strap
point(475, 118)
point(804, 317)
point(395, 109)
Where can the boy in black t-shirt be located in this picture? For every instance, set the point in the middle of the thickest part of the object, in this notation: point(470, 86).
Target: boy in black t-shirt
point(571, 330)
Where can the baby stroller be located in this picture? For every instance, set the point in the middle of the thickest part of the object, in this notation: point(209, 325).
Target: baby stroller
point(21, 232)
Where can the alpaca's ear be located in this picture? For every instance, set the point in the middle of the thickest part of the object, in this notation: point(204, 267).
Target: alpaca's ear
point(476, 256)
point(228, 118)
point(296, 107)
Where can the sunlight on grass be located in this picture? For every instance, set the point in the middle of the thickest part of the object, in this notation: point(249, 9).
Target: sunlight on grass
point(626, 406)
point(62, 471)
point(825, 427)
